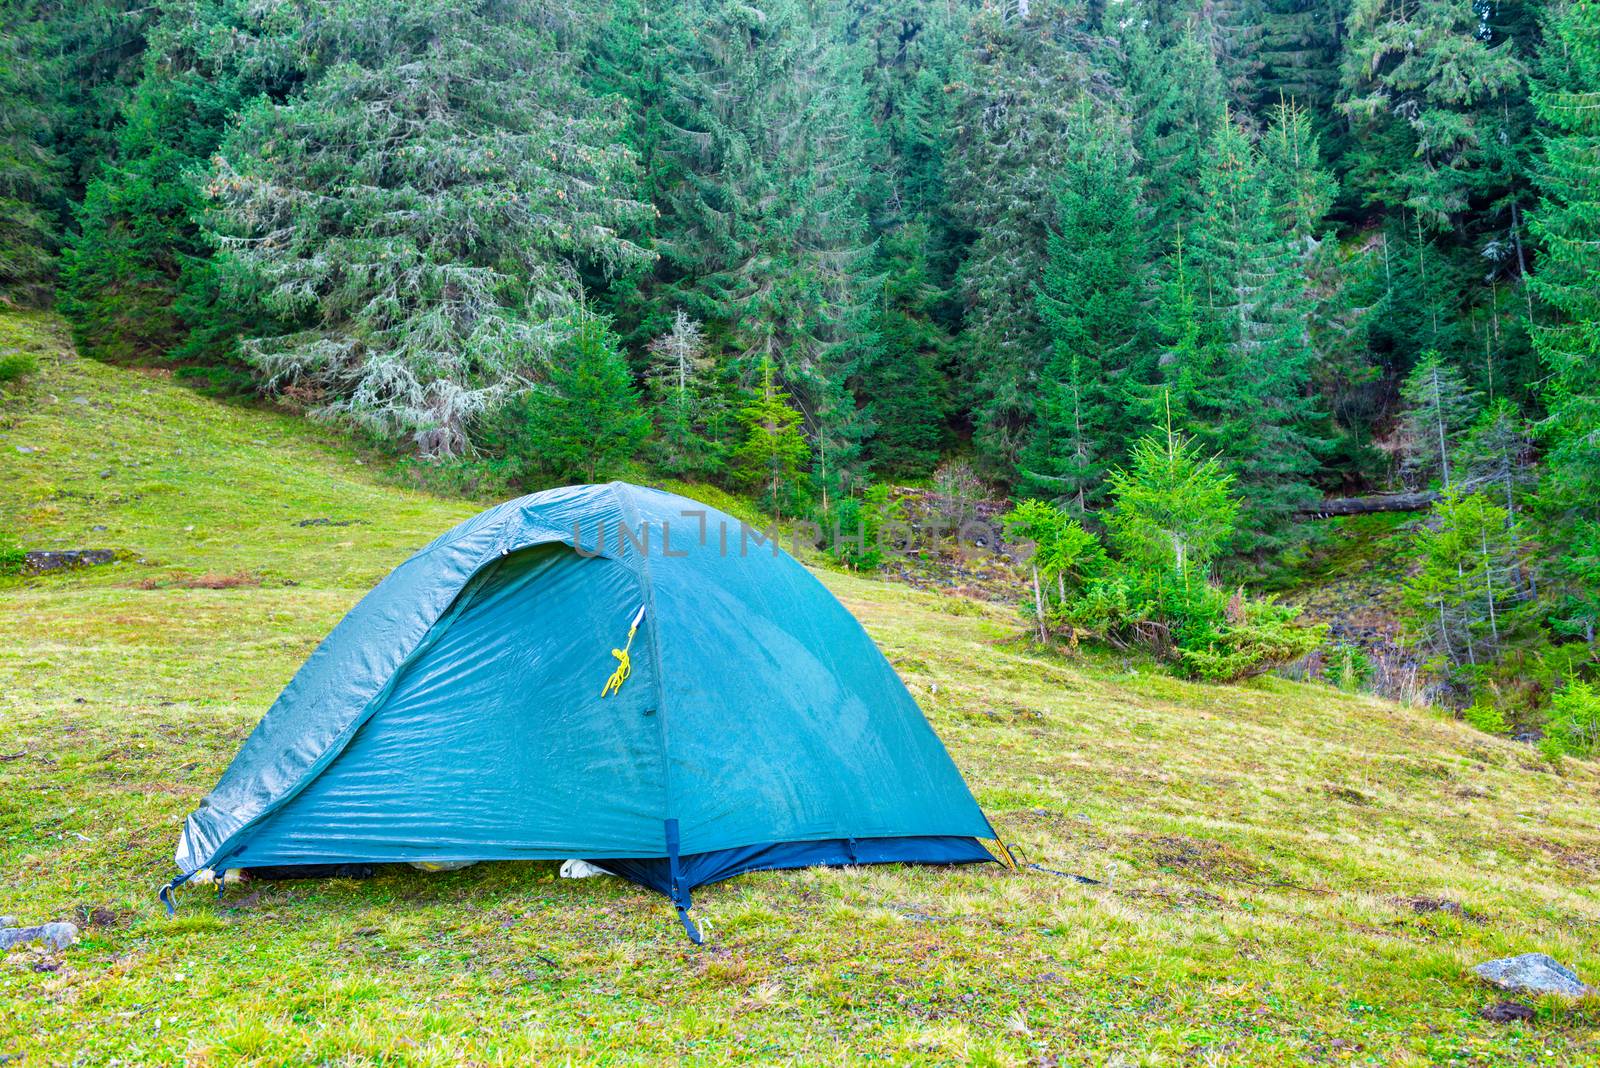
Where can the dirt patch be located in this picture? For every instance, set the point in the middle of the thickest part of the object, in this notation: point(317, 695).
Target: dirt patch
point(1424, 906)
point(1576, 858)
point(1348, 795)
point(211, 580)
point(1200, 859)
point(321, 521)
point(1507, 1012)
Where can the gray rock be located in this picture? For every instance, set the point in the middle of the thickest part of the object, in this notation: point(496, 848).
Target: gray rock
point(8, 921)
point(59, 935)
point(44, 560)
point(1533, 973)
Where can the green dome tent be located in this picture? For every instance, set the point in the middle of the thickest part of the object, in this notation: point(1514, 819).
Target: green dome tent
point(601, 672)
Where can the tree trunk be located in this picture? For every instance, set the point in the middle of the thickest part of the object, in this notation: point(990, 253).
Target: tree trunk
point(1381, 502)
point(1038, 606)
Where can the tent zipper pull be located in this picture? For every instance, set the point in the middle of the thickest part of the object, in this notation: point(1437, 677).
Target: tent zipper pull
point(624, 664)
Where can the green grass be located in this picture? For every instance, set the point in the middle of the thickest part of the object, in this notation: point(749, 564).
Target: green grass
point(1261, 847)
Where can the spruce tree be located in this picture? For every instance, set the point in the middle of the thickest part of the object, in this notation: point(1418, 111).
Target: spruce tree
point(93, 54)
point(763, 234)
point(1173, 509)
point(1091, 304)
point(138, 279)
point(900, 379)
point(1567, 224)
point(773, 456)
point(30, 173)
point(1426, 83)
point(1252, 285)
point(1008, 137)
point(585, 422)
point(1439, 408)
point(418, 212)
point(1298, 48)
point(908, 54)
point(1460, 598)
point(679, 379)
point(1178, 101)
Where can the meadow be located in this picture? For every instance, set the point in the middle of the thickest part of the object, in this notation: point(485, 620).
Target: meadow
point(1286, 873)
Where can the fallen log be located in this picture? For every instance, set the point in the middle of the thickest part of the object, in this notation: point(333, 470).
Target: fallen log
point(1381, 502)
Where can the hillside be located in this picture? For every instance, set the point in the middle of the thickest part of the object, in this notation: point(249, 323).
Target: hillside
point(1287, 872)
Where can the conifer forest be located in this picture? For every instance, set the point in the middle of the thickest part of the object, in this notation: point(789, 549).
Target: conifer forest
point(1200, 289)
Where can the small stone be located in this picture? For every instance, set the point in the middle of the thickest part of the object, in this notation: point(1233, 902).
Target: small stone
point(80, 400)
point(25, 449)
point(106, 473)
point(1533, 973)
point(98, 527)
point(8, 921)
point(59, 935)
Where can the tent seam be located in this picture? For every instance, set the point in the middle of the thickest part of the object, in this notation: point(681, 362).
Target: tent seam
point(647, 591)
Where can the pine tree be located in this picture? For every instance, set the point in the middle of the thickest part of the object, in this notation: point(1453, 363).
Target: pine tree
point(1439, 408)
point(1091, 306)
point(774, 453)
point(417, 212)
point(585, 422)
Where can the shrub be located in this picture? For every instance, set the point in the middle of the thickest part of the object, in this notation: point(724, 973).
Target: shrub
point(864, 518)
point(1573, 726)
point(12, 556)
point(1349, 668)
point(1264, 636)
point(1171, 513)
point(1486, 717)
point(15, 365)
point(957, 489)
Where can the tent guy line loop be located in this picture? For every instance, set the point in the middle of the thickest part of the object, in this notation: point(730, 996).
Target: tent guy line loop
point(1029, 865)
point(624, 664)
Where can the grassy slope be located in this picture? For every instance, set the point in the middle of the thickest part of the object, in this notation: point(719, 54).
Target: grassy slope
point(1261, 845)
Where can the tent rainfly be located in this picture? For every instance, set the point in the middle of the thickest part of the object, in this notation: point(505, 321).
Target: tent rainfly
point(602, 672)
